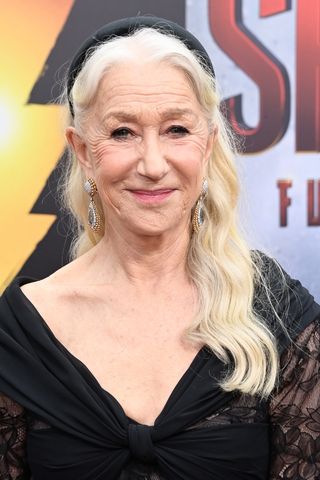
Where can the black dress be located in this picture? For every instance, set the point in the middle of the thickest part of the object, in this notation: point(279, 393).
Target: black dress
point(57, 423)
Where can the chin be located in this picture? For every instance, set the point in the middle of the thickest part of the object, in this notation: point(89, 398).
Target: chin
point(154, 229)
point(150, 232)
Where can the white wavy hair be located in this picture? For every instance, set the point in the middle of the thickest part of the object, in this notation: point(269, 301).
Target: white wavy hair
point(219, 261)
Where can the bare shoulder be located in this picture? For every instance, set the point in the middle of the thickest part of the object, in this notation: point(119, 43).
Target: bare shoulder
point(55, 288)
point(56, 298)
point(38, 291)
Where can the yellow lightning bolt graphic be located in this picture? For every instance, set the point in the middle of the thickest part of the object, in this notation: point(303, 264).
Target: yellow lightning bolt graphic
point(31, 136)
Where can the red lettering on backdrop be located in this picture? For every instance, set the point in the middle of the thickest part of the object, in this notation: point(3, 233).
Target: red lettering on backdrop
point(272, 7)
point(308, 76)
point(313, 203)
point(266, 71)
point(284, 200)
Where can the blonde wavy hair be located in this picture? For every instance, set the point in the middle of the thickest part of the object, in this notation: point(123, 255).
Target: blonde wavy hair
point(219, 261)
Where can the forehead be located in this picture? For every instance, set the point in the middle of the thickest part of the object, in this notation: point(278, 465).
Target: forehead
point(156, 86)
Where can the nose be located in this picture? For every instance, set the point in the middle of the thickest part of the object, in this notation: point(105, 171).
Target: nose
point(152, 160)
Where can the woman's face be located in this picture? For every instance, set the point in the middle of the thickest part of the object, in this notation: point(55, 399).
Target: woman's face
point(146, 144)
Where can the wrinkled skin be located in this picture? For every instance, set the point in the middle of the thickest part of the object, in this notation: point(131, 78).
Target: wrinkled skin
point(145, 131)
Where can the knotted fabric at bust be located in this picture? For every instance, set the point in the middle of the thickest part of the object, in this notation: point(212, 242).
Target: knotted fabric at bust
point(89, 436)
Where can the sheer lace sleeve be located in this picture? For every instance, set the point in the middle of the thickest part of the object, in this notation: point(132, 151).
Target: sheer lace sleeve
point(13, 426)
point(295, 411)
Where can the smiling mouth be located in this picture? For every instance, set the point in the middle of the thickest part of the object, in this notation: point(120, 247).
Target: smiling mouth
point(152, 196)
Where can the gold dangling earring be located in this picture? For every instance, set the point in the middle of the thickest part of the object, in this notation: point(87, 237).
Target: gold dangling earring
point(94, 220)
point(198, 216)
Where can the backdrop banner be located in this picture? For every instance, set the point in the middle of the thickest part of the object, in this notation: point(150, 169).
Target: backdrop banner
point(267, 58)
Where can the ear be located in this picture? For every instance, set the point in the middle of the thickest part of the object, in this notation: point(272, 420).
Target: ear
point(79, 146)
point(210, 143)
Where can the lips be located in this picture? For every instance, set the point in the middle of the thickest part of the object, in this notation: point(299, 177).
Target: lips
point(149, 196)
point(153, 192)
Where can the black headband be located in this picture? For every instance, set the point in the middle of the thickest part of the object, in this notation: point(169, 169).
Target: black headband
point(126, 26)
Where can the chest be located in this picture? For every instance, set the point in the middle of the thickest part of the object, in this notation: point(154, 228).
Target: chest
point(217, 445)
point(137, 353)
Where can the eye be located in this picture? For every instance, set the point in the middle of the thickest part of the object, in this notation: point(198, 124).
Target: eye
point(121, 133)
point(178, 130)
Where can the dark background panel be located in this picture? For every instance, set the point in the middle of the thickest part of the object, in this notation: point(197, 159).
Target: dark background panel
point(85, 17)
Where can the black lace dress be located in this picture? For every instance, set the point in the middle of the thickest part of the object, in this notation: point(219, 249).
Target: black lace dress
point(57, 423)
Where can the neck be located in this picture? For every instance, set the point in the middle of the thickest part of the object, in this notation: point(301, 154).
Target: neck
point(152, 260)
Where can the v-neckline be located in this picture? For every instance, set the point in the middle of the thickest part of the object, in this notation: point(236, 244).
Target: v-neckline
point(20, 281)
point(191, 368)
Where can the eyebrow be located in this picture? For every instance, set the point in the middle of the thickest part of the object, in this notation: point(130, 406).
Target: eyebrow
point(125, 116)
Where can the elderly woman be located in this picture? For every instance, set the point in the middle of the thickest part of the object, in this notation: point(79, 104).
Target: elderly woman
point(165, 349)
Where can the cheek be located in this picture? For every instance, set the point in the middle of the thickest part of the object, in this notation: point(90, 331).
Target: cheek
point(111, 163)
point(189, 158)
